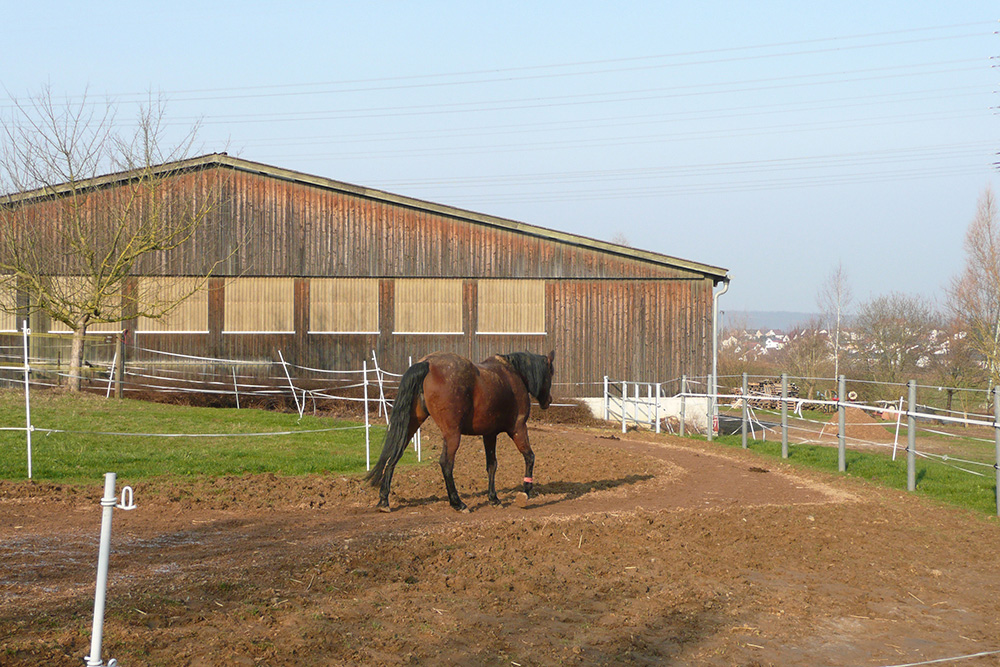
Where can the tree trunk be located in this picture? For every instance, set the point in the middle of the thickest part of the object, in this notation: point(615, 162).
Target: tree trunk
point(76, 358)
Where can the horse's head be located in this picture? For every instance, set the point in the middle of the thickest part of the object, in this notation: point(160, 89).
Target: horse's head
point(544, 394)
point(536, 370)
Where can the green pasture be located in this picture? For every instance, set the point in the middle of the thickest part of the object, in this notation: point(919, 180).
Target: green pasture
point(942, 481)
point(80, 437)
point(91, 435)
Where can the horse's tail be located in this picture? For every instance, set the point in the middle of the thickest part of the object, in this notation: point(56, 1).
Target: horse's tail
point(394, 445)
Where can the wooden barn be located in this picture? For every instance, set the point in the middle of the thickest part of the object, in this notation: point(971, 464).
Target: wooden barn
point(326, 273)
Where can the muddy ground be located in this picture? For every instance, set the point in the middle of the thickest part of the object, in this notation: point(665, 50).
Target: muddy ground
point(639, 549)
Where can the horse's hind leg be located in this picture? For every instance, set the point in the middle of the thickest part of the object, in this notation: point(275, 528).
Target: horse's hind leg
point(451, 443)
point(490, 444)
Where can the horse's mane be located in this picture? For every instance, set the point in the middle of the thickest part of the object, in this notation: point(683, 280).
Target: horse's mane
point(533, 368)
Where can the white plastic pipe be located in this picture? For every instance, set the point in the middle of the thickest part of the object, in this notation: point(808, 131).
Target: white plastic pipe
point(368, 447)
point(713, 388)
point(417, 439)
point(295, 395)
point(27, 392)
point(607, 400)
point(100, 594)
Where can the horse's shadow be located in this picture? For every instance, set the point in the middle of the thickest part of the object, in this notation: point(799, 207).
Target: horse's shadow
point(547, 494)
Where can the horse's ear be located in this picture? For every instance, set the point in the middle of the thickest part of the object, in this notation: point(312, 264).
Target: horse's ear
point(552, 356)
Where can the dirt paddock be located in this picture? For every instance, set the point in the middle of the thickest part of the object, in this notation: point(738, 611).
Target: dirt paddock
point(639, 549)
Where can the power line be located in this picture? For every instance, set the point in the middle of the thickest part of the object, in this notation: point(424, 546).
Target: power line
point(632, 120)
point(578, 99)
point(529, 72)
point(628, 140)
point(728, 186)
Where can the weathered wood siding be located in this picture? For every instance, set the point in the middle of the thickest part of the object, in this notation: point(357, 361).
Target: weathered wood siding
point(290, 256)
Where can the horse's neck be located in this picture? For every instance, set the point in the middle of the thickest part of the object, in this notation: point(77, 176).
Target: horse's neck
point(521, 373)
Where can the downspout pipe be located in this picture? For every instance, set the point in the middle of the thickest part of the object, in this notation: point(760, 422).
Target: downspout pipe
point(714, 383)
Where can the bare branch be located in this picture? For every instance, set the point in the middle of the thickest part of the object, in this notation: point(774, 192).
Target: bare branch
point(74, 246)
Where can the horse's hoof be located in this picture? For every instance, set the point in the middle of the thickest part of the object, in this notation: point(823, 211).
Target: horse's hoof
point(521, 499)
point(384, 508)
point(463, 508)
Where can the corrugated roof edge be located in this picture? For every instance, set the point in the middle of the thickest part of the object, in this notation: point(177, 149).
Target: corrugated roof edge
point(222, 159)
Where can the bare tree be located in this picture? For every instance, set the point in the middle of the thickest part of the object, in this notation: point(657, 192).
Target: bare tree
point(85, 203)
point(620, 238)
point(957, 365)
point(897, 336)
point(834, 300)
point(975, 293)
point(807, 355)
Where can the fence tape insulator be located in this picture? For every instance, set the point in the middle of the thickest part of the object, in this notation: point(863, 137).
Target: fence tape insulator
point(127, 502)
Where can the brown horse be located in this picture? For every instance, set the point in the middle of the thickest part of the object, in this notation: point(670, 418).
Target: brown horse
point(464, 398)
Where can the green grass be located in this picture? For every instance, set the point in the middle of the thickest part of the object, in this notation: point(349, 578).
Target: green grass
point(935, 479)
point(83, 448)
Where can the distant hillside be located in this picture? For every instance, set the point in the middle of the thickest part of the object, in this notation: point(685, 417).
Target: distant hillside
point(778, 320)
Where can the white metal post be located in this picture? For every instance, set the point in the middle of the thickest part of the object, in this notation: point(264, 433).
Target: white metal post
point(27, 392)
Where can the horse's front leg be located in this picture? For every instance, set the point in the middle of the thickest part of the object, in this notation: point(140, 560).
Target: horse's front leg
point(520, 438)
point(451, 443)
point(490, 444)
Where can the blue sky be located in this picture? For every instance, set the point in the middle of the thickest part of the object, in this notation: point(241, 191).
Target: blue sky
point(774, 139)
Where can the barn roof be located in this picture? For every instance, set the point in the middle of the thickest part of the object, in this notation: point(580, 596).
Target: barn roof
point(717, 274)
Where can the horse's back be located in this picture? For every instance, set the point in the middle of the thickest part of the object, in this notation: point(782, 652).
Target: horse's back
point(449, 379)
point(447, 367)
point(475, 398)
